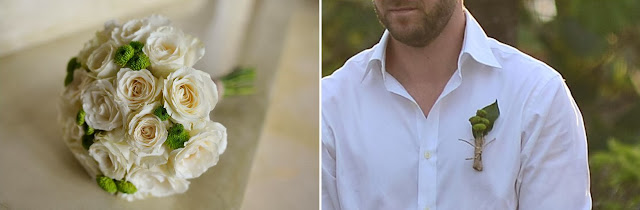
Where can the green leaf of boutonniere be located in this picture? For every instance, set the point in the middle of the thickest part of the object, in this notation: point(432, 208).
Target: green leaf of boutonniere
point(493, 112)
point(481, 124)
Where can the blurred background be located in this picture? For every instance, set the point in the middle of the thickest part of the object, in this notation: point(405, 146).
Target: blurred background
point(594, 44)
point(271, 161)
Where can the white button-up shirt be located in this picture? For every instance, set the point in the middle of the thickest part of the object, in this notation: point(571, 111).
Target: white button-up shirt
point(379, 151)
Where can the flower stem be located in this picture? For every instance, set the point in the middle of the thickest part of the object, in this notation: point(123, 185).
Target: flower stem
point(239, 82)
point(477, 157)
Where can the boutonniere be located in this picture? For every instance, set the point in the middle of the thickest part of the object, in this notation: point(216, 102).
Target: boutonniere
point(481, 124)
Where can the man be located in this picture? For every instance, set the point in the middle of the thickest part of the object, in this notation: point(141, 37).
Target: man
point(396, 131)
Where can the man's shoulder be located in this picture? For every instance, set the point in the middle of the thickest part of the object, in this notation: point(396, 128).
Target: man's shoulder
point(348, 76)
point(518, 64)
point(524, 74)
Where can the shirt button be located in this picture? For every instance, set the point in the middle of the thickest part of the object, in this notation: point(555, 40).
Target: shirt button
point(427, 155)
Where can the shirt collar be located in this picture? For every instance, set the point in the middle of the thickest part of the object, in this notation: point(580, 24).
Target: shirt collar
point(475, 43)
point(378, 56)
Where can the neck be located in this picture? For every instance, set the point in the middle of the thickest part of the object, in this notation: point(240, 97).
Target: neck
point(435, 62)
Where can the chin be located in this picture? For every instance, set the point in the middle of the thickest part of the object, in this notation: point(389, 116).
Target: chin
point(406, 30)
point(411, 36)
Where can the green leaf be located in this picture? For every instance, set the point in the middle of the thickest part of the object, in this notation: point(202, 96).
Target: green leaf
point(73, 64)
point(68, 79)
point(493, 112)
point(87, 141)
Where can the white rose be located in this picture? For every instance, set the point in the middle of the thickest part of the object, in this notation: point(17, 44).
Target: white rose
point(114, 159)
point(88, 163)
point(100, 38)
point(105, 34)
point(74, 90)
point(201, 152)
point(72, 133)
point(147, 133)
point(116, 135)
point(72, 136)
point(69, 105)
point(168, 49)
point(70, 99)
point(101, 62)
point(189, 95)
point(103, 112)
point(137, 88)
point(87, 49)
point(67, 109)
point(138, 29)
point(151, 160)
point(155, 181)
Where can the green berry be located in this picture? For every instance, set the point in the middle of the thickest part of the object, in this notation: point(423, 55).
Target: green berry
point(124, 54)
point(87, 141)
point(138, 61)
point(479, 127)
point(80, 117)
point(475, 120)
point(106, 184)
point(137, 46)
point(126, 187)
point(161, 113)
point(177, 136)
point(481, 113)
point(485, 121)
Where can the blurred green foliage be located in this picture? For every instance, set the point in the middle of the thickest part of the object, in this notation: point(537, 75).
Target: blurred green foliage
point(348, 27)
point(618, 183)
point(594, 44)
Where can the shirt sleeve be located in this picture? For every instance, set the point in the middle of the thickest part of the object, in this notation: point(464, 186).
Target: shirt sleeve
point(554, 171)
point(329, 187)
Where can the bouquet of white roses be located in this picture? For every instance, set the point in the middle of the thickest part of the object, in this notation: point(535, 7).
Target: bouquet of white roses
point(136, 114)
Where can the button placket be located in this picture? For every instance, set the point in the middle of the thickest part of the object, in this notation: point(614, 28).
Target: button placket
point(427, 155)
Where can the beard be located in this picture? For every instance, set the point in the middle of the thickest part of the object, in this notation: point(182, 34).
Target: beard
point(418, 28)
